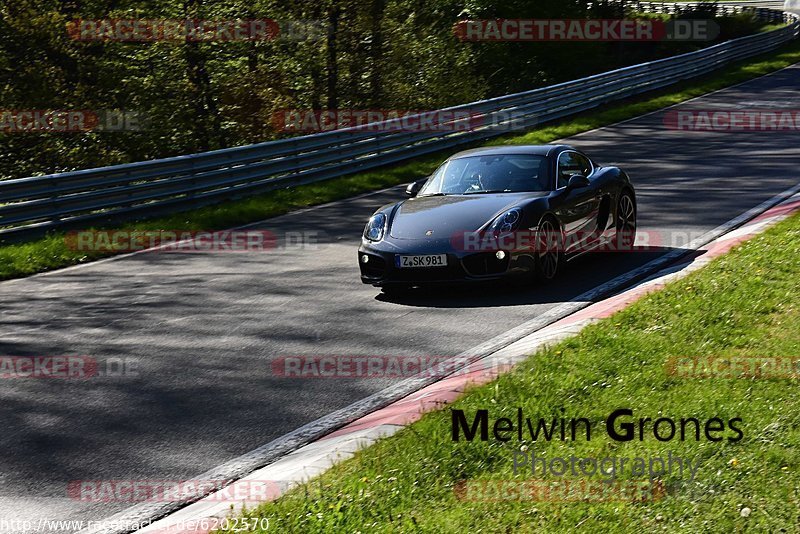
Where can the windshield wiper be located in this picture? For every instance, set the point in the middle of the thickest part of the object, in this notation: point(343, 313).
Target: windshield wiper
point(488, 191)
point(432, 195)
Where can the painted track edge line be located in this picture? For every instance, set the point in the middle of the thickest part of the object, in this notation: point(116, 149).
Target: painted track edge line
point(308, 462)
point(276, 449)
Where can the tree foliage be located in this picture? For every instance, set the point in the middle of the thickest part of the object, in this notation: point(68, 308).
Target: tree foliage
point(196, 96)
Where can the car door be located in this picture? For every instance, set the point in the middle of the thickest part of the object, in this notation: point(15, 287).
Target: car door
point(578, 208)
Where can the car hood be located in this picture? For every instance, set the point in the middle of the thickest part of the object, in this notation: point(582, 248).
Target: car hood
point(442, 216)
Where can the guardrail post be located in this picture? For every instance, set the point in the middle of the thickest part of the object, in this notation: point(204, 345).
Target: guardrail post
point(56, 218)
point(128, 181)
point(193, 182)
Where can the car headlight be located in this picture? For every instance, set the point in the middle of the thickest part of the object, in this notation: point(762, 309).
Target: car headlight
point(375, 227)
point(507, 222)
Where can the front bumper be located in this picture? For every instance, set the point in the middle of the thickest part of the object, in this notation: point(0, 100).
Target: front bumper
point(381, 267)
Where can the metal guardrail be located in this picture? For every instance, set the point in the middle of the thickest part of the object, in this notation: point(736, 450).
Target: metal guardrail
point(33, 206)
point(766, 10)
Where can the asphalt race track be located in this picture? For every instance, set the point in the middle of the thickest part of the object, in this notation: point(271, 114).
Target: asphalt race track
point(203, 328)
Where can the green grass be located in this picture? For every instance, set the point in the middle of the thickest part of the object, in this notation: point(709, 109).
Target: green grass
point(51, 252)
point(746, 303)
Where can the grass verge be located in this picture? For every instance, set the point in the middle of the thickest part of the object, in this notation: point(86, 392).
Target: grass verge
point(52, 252)
point(743, 304)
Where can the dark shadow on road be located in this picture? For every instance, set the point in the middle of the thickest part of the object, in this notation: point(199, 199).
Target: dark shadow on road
point(577, 277)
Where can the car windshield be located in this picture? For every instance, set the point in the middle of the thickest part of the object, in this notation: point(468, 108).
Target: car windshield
point(501, 173)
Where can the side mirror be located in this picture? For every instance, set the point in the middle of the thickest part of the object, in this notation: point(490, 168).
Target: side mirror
point(414, 187)
point(577, 181)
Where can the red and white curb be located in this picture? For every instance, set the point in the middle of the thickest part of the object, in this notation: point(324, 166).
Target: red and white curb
point(315, 458)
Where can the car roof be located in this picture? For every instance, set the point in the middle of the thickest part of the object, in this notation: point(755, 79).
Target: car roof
point(536, 150)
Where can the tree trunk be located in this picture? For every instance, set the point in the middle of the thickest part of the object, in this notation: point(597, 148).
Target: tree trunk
point(376, 53)
point(332, 61)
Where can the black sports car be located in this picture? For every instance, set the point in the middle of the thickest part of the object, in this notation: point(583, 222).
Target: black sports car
point(498, 212)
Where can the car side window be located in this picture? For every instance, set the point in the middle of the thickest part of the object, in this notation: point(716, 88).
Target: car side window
point(567, 166)
point(570, 163)
point(584, 164)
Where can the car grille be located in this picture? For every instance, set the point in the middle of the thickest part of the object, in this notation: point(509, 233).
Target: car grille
point(452, 271)
point(375, 267)
point(485, 263)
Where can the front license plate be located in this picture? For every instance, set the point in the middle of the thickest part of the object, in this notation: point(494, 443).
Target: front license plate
point(429, 260)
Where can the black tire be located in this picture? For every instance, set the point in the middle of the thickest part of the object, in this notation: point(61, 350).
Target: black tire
point(549, 253)
point(625, 222)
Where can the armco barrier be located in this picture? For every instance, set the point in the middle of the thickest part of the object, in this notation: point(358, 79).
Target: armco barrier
point(32, 206)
